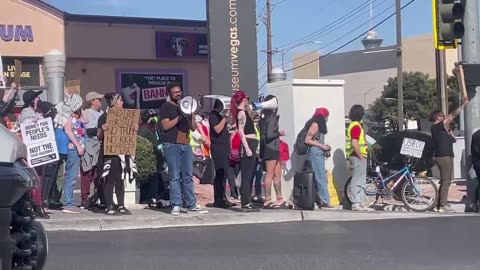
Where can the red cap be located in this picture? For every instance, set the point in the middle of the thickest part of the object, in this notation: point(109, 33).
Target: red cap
point(323, 112)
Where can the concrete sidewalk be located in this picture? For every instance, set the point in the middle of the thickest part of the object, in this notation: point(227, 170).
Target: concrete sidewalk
point(152, 219)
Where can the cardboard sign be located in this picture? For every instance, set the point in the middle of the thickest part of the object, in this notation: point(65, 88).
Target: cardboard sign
point(412, 147)
point(18, 72)
point(120, 136)
point(73, 87)
point(39, 138)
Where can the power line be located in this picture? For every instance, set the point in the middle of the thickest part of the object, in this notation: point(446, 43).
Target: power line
point(344, 35)
point(264, 63)
point(301, 40)
point(351, 41)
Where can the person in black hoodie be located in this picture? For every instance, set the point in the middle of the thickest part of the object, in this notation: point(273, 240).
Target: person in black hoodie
point(270, 155)
point(475, 150)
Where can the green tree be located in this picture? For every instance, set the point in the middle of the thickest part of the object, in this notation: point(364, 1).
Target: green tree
point(420, 98)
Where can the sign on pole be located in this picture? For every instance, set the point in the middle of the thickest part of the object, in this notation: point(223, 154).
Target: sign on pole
point(121, 134)
point(412, 148)
point(39, 138)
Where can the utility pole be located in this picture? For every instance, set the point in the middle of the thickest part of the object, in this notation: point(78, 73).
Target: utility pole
point(269, 41)
point(471, 55)
point(399, 65)
point(442, 97)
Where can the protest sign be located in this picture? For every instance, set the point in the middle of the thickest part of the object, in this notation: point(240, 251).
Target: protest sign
point(18, 72)
point(39, 138)
point(73, 87)
point(121, 133)
point(412, 147)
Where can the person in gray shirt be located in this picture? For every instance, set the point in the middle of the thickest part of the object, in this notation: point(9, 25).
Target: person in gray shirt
point(90, 160)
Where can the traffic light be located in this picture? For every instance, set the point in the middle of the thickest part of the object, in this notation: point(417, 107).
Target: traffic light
point(447, 23)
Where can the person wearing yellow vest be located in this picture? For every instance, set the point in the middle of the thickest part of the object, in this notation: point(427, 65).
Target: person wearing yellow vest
point(357, 152)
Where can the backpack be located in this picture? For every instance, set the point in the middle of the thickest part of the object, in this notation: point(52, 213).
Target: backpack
point(300, 146)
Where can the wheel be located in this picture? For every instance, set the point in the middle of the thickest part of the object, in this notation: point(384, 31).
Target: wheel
point(29, 236)
point(423, 191)
point(370, 191)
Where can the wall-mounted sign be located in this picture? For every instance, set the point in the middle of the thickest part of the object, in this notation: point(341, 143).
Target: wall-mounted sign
point(30, 74)
point(146, 89)
point(17, 33)
point(181, 45)
point(233, 46)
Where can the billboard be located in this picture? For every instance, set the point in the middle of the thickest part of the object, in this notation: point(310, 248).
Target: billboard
point(233, 46)
point(30, 70)
point(181, 45)
point(146, 89)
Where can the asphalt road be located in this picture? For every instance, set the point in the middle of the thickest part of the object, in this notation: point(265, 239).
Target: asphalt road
point(434, 243)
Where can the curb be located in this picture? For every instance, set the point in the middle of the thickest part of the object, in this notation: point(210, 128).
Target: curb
point(273, 216)
point(164, 221)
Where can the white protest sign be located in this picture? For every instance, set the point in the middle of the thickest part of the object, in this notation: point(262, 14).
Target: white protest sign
point(39, 138)
point(412, 147)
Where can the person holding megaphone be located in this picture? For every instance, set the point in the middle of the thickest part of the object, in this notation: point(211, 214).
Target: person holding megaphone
point(178, 153)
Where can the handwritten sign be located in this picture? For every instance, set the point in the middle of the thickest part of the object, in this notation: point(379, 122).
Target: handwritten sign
point(73, 87)
point(412, 147)
point(39, 138)
point(121, 137)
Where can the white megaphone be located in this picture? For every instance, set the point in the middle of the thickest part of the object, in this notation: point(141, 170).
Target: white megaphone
point(271, 104)
point(188, 105)
point(224, 99)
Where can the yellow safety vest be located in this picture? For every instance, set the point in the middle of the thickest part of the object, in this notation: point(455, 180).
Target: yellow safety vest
point(362, 143)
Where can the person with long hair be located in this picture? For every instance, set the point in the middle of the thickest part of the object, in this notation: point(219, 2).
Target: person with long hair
point(112, 169)
point(244, 119)
point(270, 155)
point(317, 153)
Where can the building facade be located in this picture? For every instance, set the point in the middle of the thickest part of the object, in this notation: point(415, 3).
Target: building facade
point(366, 71)
point(134, 56)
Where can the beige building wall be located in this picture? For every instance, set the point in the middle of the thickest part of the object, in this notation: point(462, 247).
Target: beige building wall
point(100, 74)
point(311, 71)
point(47, 28)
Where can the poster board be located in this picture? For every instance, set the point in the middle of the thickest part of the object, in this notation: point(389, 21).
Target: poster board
point(412, 148)
point(146, 89)
point(39, 138)
point(73, 87)
point(121, 133)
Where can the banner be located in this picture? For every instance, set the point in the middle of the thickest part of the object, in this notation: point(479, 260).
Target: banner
point(181, 45)
point(39, 138)
point(233, 47)
point(30, 72)
point(121, 137)
point(146, 90)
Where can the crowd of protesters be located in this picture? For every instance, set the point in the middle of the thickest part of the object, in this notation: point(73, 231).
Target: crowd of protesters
point(214, 147)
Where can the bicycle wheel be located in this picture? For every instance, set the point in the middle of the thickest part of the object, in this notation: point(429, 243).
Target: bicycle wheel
point(420, 195)
point(369, 189)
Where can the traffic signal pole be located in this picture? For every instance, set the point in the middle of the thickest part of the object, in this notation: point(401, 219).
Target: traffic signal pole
point(471, 55)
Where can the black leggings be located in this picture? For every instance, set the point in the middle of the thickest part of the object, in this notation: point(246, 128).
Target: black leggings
point(114, 178)
point(248, 168)
point(50, 175)
point(220, 155)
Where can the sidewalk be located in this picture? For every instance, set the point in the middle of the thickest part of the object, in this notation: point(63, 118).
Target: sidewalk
point(152, 219)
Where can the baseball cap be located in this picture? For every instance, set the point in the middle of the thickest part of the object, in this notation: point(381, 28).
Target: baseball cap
point(93, 95)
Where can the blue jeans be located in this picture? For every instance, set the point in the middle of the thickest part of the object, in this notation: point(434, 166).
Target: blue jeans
point(317, 159)
point(179, 159)
point(72, 167)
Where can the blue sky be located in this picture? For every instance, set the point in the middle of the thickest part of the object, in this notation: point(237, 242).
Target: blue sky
point(291, 19)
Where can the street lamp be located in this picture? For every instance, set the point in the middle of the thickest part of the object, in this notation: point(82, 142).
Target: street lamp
point(365, 96)
point(284, 51)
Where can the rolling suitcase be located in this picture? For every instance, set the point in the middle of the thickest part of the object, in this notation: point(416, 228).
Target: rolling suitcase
point(304, 190)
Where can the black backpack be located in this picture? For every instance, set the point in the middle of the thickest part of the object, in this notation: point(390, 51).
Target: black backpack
point(300, 146)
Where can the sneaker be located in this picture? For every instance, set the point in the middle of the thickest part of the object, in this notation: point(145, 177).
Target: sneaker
point(249, 208)
point(197, 210)
point(445, 209)
point(360, 207)
point(71, 210)
point(124, 211)
point(112, 212)
point(175, 211)
point(84, 205)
